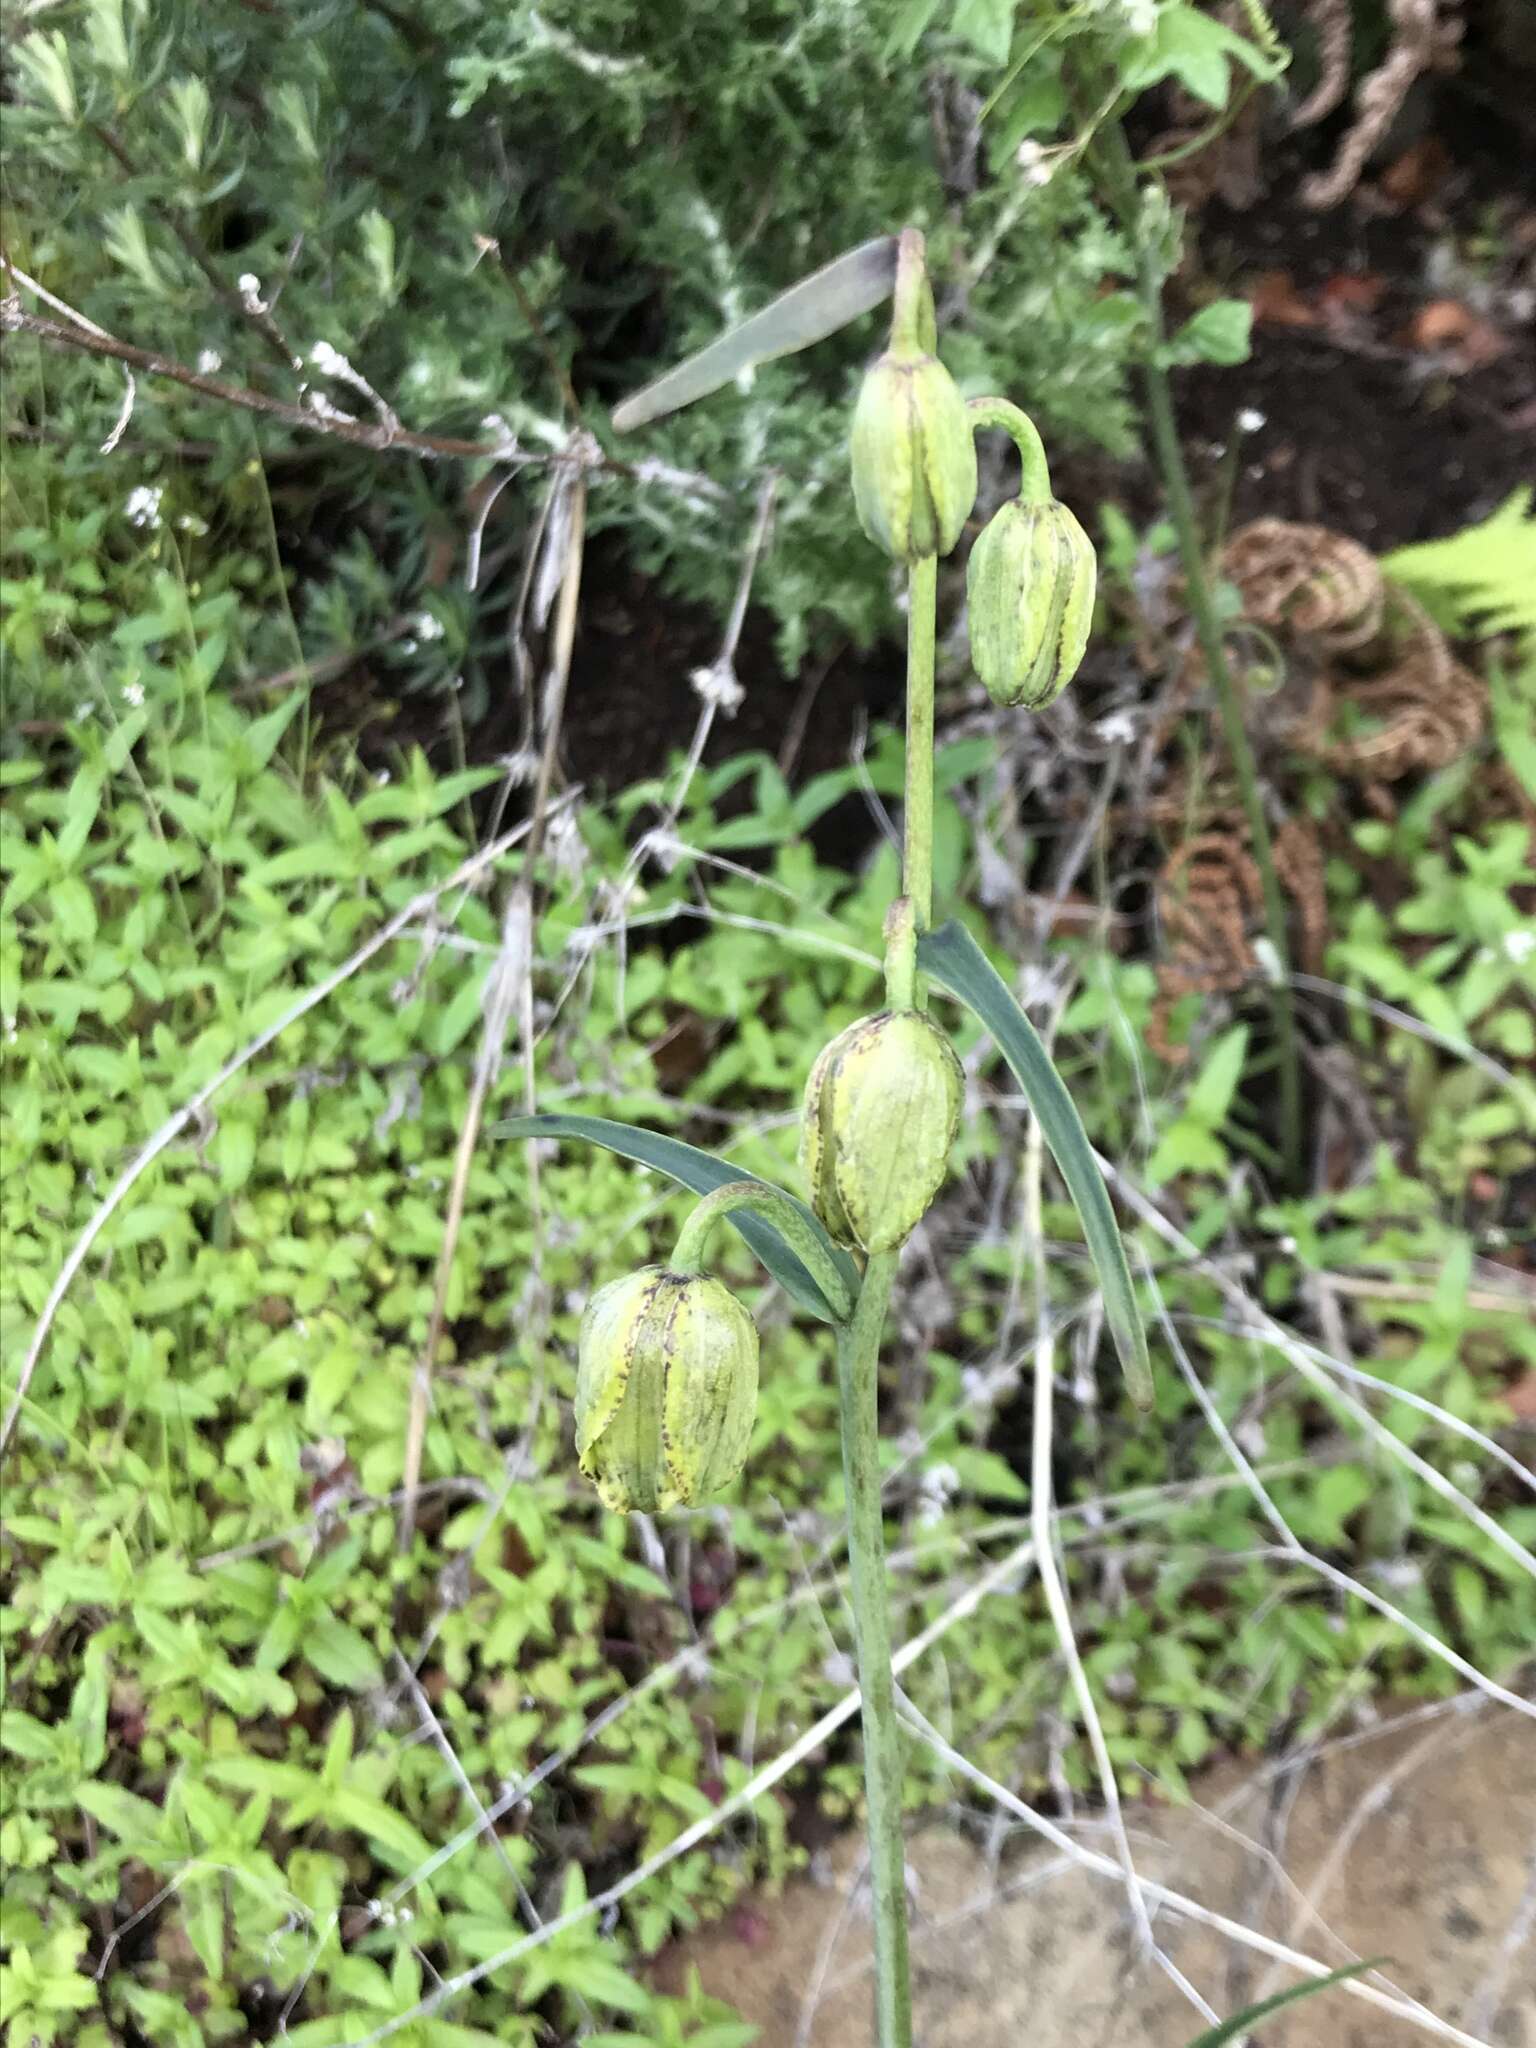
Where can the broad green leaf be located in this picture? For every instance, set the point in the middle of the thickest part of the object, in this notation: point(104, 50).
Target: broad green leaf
point(701, 1172)
point(1219, 333)
point(129, 1817)
point(1196, 50)
point(987, 25)
point(953, 957)
point(1230, 2030)
point(341, 1654)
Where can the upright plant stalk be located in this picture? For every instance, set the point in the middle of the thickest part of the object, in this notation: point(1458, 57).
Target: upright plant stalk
point(858, 1360)
point(1117, 175)
point(858, 1363)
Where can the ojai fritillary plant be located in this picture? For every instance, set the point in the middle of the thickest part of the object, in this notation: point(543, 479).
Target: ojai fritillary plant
point(667, 1372)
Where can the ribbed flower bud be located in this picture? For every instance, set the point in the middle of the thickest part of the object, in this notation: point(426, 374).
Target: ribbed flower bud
point(881, 1111)
point(1029, 585)
point(666, 1389)
point(914, 461)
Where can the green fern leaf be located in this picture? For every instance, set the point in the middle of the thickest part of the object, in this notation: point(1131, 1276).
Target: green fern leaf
point(1480, 581)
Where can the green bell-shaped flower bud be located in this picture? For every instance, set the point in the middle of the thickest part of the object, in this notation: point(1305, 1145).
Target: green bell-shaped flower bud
point(666, 1389)
point(914, 461)
point(881, 1111)
point(1030, 584)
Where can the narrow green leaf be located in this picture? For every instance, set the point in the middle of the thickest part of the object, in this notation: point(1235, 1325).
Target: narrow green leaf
point(1229, 2030)
point(808, 312)
point(953, 957)
point(701, 1172)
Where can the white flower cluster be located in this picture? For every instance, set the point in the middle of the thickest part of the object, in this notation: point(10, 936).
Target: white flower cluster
point(142, 505)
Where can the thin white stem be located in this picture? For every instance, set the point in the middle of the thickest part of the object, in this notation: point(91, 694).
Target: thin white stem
point(1164, 1895)
point(1419, 1402)
point(174, 1125)
point(1291, 1547)
point(1255, 1321)
point(1040, 1501)
point(1006, 1569)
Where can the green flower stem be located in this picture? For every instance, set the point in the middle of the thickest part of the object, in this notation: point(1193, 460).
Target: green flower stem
point(1035, 481)
point(917, 848)
point(900, 956)
point(858, 1360)
point(912, 321)
point(858, 1367)
point(1118, 179)
point(787, 1218)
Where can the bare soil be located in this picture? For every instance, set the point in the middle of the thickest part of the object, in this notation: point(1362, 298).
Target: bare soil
point(1418, 1846)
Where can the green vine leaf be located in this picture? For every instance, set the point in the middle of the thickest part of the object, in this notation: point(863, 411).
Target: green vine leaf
point(953, 957)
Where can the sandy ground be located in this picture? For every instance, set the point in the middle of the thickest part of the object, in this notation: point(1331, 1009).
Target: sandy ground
point(1418, 1845)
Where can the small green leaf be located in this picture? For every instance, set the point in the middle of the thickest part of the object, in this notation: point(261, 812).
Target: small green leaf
point(701, 1172)
point(953, 957)
point(1218, 333)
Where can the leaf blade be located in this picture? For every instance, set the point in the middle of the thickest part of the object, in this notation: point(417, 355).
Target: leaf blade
point(853, 283)
point(702, 1173)
point(953, 957)
point(1229, 2030)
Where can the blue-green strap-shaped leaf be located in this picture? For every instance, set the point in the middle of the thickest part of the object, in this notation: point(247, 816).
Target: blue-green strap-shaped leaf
point(703, 1173)
point(808, 312)
point(953, 957)
point(1241, 2023)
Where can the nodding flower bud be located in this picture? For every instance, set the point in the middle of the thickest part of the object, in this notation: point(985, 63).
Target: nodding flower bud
point(1030, 584)
point(666, 1389)
point(881, 1111)
point(914, 461)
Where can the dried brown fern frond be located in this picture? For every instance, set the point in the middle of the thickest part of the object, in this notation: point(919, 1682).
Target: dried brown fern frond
point(1305, 579)
point(1210, 910)
point(1420, 710)
point(1425, 34)
point(1366, 656)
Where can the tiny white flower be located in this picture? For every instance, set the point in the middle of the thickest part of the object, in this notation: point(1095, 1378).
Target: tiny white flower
point(142, 505)
point(1250, 419)
point(1035, 164)
point(1119, 727)
point(1520, 944)
point(249, 286)
point(133, 695)
point(717, 686)
point(190, 523)
point(208, 361)
point(84, 709)
point(427, 627)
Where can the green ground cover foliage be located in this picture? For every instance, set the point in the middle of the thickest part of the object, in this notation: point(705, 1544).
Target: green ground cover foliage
point(208, 1709)
point(247, 1739)
point(482, 209)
